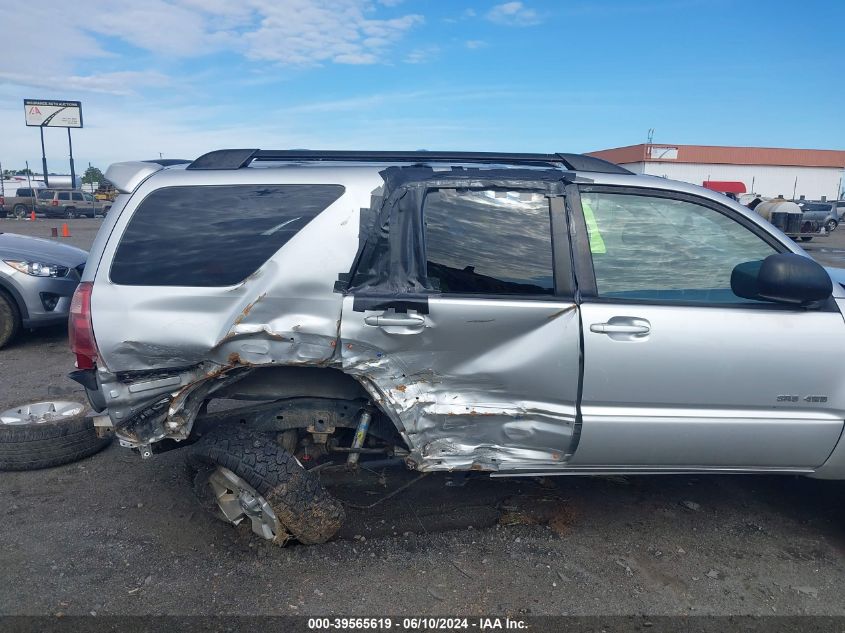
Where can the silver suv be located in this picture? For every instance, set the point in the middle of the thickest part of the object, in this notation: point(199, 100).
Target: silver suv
point(512, 314)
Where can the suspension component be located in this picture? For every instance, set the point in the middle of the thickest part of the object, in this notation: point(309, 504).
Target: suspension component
point(360, 436)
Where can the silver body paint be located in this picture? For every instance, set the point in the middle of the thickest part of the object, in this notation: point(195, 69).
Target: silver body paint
point(483, 384)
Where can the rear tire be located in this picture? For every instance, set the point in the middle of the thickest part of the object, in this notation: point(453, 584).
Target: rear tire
point(10, 319)
point(70, 214)
point(19, 211)
point(52, 443)
point(831, 226)
point(806, 239)
point(301, 505)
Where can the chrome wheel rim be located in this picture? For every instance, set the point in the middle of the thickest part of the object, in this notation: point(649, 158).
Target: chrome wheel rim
point(238, 500)
point(41, 412)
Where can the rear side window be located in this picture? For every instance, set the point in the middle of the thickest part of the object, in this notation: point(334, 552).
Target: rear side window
point(45, 195)
point(489, 242)
point(64, 196)
point(24, 193)
point(213, 236)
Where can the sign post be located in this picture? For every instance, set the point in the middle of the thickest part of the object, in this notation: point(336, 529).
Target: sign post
point(43, 113)
point(70, 151)
point(44, 159)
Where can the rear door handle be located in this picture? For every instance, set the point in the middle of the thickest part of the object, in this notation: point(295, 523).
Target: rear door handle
point(618, 328)
point(404, 320)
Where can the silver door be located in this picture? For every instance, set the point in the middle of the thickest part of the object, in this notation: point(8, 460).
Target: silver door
point(484, 374)
point(678, 371)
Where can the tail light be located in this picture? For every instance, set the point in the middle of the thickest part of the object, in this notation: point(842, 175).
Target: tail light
point(54, 203)
point(80, 329)
point(2, 200)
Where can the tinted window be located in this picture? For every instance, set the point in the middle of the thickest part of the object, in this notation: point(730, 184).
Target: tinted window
point(64, 196)
point(666, 250)
point(45, 195)
point(24, 193)
point(213, 236)
point(77, 196)
point(816, 206)
point(489, 242)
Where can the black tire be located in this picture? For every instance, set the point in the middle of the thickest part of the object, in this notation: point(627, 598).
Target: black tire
point(19, 211)
point(297, 497)
point(806, 239)
point(831, 226)
point(10, 319)
point(70, 214)
point(34, 446)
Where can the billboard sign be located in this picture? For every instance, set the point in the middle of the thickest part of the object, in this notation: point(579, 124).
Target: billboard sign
point(46, 113)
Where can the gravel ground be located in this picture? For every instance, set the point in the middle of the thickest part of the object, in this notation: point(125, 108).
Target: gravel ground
point(114, 535)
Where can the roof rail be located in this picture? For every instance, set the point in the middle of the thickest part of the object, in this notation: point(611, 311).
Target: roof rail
point(239, 158)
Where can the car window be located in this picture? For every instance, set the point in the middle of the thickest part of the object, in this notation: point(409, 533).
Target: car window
point(666, 250)
point(45, 195)
point(488, 242)
point(24, 193)
point(77, 196)
point(64, 195)
point(88, 197)
point(213, 236)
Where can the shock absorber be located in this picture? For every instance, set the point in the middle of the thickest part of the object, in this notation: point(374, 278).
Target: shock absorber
point(360, 436)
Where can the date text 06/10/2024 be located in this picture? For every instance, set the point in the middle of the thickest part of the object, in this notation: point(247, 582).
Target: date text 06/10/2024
point(415, 624)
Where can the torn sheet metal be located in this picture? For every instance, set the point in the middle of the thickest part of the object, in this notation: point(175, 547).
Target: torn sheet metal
point(471, 392)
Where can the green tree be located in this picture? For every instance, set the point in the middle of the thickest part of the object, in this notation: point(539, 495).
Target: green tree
point(92, 175)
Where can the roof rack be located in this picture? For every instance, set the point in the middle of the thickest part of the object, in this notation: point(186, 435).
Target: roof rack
point(240, 158)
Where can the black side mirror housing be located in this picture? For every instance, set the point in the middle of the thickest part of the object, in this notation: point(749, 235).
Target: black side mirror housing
point(782, 278)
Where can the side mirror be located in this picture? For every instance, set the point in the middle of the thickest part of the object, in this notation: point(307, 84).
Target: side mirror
point(782, 278)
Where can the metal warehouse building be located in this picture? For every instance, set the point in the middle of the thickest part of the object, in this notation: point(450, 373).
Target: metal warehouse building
point(814, 174)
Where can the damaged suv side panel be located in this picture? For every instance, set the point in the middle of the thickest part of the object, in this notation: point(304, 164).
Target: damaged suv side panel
point(171, 344)
point(462, 389)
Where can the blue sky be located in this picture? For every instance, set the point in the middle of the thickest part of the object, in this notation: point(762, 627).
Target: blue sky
point(182, 77)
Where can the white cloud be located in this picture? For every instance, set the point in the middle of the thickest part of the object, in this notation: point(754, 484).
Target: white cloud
point(287, 32)
point(123, 83)
point(422, 55)
point(475, 44)
point(303, 32)
point(513, 14)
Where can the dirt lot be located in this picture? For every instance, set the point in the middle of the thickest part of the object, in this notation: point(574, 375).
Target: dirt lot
point(114, 535)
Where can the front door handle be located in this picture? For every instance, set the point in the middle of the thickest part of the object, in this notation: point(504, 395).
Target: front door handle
point(404, 320)
point(618, 328)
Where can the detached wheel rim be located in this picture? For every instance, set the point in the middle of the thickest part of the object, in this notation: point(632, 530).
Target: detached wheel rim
point(41, 412)
point(238, 500)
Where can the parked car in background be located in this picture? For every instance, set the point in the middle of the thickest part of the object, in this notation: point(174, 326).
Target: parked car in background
point(514, 314)
point(840, 208)
point(69, 203)
point(37, 280)
point(825, 213)
point(21, 203)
